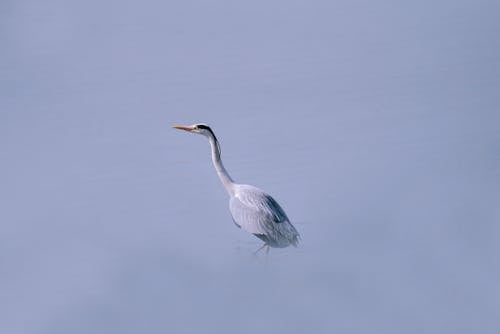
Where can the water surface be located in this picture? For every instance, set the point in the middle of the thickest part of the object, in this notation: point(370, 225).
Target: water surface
point(374, 125)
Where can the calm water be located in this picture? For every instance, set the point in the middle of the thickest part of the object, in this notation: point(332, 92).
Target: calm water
point(376, 126)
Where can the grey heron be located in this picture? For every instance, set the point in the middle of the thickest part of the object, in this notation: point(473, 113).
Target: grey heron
point(251, 208)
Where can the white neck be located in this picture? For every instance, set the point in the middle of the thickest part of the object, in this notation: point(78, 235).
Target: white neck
point(226, 180)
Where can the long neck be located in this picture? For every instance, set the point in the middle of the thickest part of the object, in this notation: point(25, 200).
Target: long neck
point(226, 180)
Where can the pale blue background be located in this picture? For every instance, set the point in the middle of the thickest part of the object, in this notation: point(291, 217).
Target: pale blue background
point(374, 124)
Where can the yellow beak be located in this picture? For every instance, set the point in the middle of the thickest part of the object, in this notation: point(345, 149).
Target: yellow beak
point(182, 127)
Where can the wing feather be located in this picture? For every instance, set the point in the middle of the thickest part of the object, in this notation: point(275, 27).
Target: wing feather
point(258, 213)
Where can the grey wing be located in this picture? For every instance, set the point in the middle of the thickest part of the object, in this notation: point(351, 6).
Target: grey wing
point(259, 214)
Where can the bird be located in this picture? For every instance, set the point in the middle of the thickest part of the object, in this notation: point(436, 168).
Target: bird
point(252, 209)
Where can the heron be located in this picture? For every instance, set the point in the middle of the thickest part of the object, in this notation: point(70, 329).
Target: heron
point(251, 208)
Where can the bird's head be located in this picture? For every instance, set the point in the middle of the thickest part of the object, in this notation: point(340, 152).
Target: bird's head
point(201, 129)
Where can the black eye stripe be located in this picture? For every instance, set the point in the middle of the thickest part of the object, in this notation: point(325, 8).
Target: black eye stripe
point(205, 127)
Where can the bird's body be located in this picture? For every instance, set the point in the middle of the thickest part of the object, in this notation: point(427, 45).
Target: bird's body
point(251, 208)
point(258, 213)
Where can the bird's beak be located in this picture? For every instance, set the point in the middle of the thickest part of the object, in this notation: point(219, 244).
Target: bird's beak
point(182, 127)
